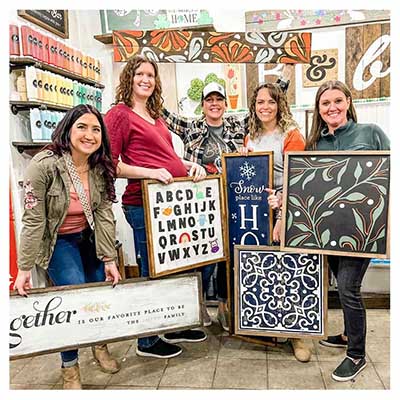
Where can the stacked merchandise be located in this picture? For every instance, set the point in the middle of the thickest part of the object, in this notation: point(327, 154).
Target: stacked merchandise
point(50, 88)
point(43, 123)
point(30, 43)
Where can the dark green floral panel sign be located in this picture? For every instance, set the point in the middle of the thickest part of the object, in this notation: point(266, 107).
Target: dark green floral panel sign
point(337, 203)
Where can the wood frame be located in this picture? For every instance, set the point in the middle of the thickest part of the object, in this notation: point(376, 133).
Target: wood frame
point(82, 295)
point(42, 24)
point(310, 250)
point(230, 259)
point(150, 231)
point(324, 304)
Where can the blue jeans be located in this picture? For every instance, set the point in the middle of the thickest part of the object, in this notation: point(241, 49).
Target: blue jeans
point(74, 262)
point(349, 273)
point(135, 217)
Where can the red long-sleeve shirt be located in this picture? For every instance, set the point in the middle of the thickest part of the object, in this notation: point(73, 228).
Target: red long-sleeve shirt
point(141, 144)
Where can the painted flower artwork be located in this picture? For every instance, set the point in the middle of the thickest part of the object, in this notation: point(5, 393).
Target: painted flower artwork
point(338, 203)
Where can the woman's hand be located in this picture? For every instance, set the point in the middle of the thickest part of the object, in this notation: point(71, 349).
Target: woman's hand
point(244, 151)
point(23, 282)
point(112, 273)
point(276, 233)
point(198, 172)
point(274, 198)
point(162, 175)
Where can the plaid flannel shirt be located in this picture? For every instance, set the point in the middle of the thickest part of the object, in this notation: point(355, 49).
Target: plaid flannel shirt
point(194, 131)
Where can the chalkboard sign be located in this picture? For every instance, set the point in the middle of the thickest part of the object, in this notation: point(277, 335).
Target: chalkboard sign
point(248, 214)
point(337, 203)
point(67, 317)
point(55, 21)
point(184, 223)
point(280, 294)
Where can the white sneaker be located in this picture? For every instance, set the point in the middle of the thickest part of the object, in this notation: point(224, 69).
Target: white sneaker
point(223, 320)
point(206, 317)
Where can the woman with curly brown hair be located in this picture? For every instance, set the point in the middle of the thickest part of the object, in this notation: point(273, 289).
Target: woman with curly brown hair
point(272, 128)
point(142, 149)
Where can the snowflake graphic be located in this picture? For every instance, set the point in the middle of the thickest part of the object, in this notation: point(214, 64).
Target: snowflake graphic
point(247, 171)
point(234, 216)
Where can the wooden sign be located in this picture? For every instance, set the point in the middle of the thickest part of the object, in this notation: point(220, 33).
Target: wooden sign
point(68, 317)
point(112, 20)
point(248, 213)
point(368, 60)
point(282, 20)
point(184, 223)
point(55, 21)
point(323, 67)
point(213, 47)
point(280, 294)
point(337, 203)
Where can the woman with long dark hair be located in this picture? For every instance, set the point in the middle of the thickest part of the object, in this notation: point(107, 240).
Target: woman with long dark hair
point(68, 223)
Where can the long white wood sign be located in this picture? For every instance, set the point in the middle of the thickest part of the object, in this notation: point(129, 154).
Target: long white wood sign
point(69, 317)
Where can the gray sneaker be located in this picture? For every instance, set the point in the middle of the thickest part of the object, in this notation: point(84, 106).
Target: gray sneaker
point(222, 317)
point(206, 317)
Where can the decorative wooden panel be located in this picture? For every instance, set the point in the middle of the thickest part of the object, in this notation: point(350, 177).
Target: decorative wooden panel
point(213, 47)
point(281, 20)
point(272, 73)
point(323, 67)
point(279, 294)
point(252, 80)
point(368, 60)
point(337, 203)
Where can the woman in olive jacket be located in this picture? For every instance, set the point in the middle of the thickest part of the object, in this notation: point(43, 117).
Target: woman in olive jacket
point(68, 223)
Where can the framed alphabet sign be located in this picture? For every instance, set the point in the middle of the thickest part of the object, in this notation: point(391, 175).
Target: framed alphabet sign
point(185, 223)
point(337, 203)
point(280, 294)
point(68, 317)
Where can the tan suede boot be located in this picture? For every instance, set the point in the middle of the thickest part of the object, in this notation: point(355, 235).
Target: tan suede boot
point(106, 362)
point(71, 377)
point(301, 350)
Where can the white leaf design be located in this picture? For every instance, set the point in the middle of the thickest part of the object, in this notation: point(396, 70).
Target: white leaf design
point(150, 54)
point(357, 171)
point(196, 46)
point(176, 58)
point(277, 39)
point(255, 37)
point(264, 55)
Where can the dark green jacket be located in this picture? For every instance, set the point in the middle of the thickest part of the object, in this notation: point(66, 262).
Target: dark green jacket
point(354, 136)
point(46, 202)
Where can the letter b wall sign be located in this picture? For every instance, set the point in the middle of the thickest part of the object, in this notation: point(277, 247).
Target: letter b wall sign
point(248, 214)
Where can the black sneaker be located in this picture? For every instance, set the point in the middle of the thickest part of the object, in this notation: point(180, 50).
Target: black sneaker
point(188, 335)
point(160, 349)
point(348, 369)
point(334, 341)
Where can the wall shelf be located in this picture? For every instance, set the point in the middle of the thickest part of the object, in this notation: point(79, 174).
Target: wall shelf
point(18, 62)
point(30, 148)
point(17, 106)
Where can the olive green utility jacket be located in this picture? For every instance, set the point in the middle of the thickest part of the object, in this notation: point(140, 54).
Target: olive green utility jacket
point(46, 202)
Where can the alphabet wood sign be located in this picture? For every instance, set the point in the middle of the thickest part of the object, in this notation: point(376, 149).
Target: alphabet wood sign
point(179, 46)
point(69, 317)
point(280, 294)
point(248, 214)
point(337, 203)
point(184, 223)
point(368, 60)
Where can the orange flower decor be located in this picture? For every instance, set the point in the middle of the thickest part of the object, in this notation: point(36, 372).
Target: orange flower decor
point(234, 52)
point(170, 40)
point(298, 49)
point(125, 44)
